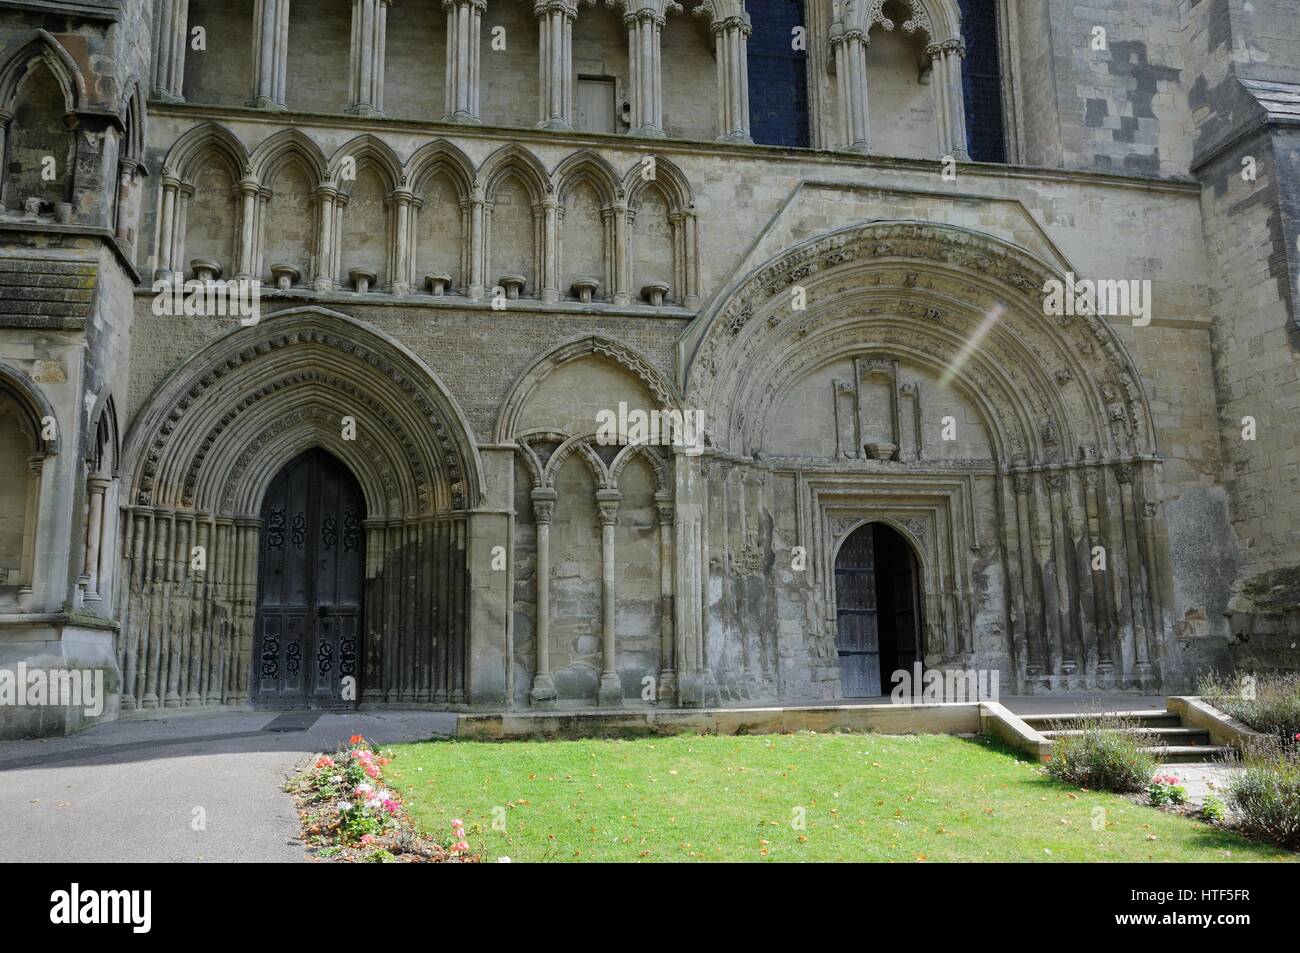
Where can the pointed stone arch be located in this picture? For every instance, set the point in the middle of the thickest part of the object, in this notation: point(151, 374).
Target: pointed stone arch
point(938, 20)
point(667, 178)
point(522, 164)
point(288, 145)
point(579, 445)
point(590, 167)
point(441, 158)
point(41, 47)
point(202, 141)
point(658, 465)
point(366, 151)
point(508, 416)
point(36, 409)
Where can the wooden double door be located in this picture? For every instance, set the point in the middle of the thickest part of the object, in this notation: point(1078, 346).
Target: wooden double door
point(307, 643)
point(877, 602)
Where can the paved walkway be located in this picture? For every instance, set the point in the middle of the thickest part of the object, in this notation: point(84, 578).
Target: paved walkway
point(136, 790)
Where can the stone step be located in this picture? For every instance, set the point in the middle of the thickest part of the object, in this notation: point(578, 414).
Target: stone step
point(1144, 719)
point(1177, 753)
point(1185, 736)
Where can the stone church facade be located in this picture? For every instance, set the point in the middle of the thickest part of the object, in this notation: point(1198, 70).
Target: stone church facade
point(827, 230)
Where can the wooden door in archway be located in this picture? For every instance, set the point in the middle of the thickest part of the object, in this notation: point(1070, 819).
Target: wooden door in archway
point(878, 619)
point(310, 577)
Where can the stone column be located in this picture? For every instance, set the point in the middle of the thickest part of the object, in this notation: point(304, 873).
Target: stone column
point(6, 117)
point(1022, 484)
point(850, 51)
point(729, 48)
point(248, 192)
point(667, 650)
point(1125, 473)
point(464, 23)
point(949, 97)
point(27, 592)
point(477, 239)
point(329, 202)
point(167, 226)
point(1063, 647)
point(610, 692)
point(270, 53)
point(95, 488)
point(369, 28)
point(555, 62)
point(169, 61)
point(399, 282)
point(622, 262)
point(645, 22)
point(127, 170)
point(550, 251)
point(543, 691)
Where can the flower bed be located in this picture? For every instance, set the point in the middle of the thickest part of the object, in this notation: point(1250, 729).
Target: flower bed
point(348, 813)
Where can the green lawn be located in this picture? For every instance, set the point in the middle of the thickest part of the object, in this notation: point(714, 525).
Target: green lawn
point(863, 797)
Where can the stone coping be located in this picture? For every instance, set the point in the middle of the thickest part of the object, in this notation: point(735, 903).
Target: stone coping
point(616, 723)
point(1223, 728)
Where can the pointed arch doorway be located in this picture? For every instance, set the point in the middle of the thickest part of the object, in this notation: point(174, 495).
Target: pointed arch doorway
point(877, 607)
point(310, 580)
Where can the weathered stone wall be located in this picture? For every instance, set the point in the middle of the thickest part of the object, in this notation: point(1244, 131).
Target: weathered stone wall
point(701, 551)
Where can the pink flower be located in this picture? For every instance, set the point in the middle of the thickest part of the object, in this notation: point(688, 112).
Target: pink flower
point(372, 771)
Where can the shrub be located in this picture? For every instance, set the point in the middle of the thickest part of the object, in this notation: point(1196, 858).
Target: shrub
point(1107, 755)
point(1267, 703)
point(1266, 794)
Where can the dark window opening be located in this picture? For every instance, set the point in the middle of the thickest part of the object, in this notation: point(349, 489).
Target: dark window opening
point(778, 74)
point(982, 81)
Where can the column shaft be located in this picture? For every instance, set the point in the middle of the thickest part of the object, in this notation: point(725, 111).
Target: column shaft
point(464, 19)
point(94, 535)
point(610, 692)
point(270, 49)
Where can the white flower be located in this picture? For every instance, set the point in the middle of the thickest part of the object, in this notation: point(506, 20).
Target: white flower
point(343, 807)
point(503, 860)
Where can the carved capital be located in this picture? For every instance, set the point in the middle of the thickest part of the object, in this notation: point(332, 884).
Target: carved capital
point(543, 504)
point(607, 502)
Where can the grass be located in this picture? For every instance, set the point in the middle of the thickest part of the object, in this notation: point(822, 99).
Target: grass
point(863, 798)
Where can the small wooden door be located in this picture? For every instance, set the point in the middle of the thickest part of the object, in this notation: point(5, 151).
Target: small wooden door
point(310, 576)
point(877, 600)
point(857, 635)
point(597, 110)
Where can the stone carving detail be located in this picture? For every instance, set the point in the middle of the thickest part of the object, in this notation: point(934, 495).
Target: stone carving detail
point(745, 368)
point(266, 348)
point(917, 18)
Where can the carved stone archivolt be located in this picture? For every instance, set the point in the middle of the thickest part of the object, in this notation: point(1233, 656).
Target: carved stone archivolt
point(872, 286)
point(198, 460)
point(1072, 453)
point(186, 443)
